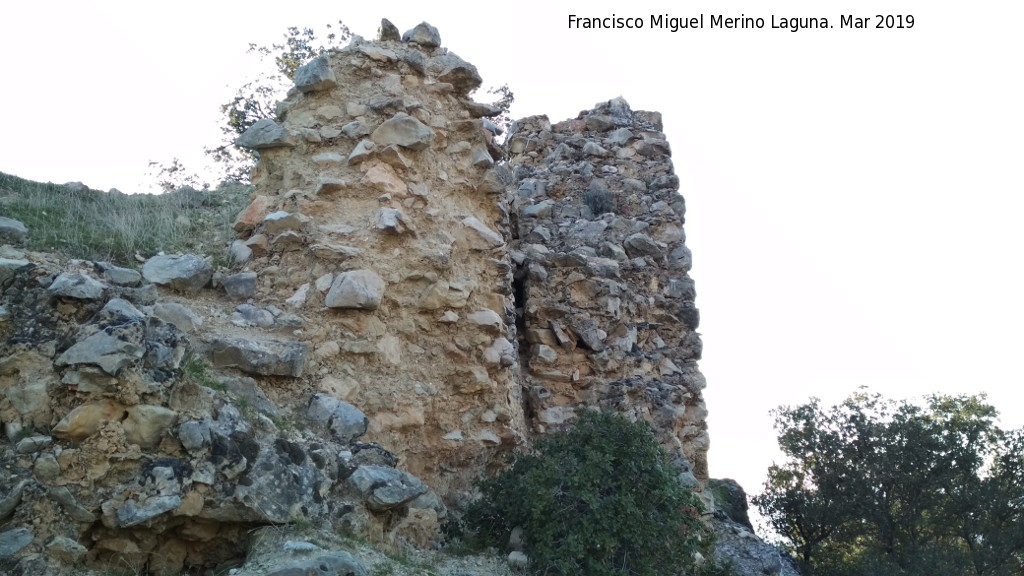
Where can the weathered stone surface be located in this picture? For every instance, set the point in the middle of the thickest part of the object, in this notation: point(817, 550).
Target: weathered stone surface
point(241, 285)
point(338, 563)
point(316, 75)
point(110, 349)
point(479, 236)
point(282, 480)
point(403, 130)
point(391, 221)
point(264, 134)
point(265, 357)
point(178, 314)
point(66, 550)
point(77, 286)
point(362, 289)
point(146, 424)
point(85, 420)
point(361, 152)
point(11, 500)
point(344, 420)
point(746, 552)
point(281, 221)
point(462, 75)
point(33, 444)
point(181, 272)
point(642, 245)
point(388, 32)
point(133, 514)
point(423, 34)
point(12, 231)
point(8, 268)
point(120, 276)
point(386, 488)
point(13, 540)
point(253, 214)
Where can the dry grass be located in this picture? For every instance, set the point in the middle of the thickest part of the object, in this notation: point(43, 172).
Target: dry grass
point(95, 225)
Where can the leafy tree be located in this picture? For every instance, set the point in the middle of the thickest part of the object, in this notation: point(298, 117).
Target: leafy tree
point(600, 499)
point(874, 486)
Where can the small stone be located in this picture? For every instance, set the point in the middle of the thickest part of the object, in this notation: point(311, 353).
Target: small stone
point(328, 157)
point(361, 152)
point(423, 34)
point(46, 469)
point(33, 444)
point(78, 286)
point(119, 276)
point(281, 221)
point(253, 214)
point(323, 283)
point(181, 316)
point(481, 237)
point(404, 130)
point(638, 244)
point(299, 298)
point(241, 286)
point(391, 221)
point(264, 357)
point(264, 134)
point(66, 550)
point(488, 318)
point(361, 289)
point(85, 420)
point(13, 540)
point(146, 424)
point(249, 315)
point(518, 560)
point(240, 253)
point(387, 31)
point(12, 231)
point(315, 75)
point(619, 137)
point(386, 488)
point(182, 272)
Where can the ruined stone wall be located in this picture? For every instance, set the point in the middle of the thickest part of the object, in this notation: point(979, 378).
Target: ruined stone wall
point(607, 306)
point(384, 170)
point(401, 309)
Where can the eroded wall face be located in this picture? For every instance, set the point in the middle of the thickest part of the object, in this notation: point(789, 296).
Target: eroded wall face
point(386, 168)
point(607, 312)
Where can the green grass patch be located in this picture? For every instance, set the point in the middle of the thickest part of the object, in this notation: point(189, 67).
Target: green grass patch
point(99, 226)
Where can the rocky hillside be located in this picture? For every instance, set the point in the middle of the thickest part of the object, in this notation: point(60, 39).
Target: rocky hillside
point(405, 303)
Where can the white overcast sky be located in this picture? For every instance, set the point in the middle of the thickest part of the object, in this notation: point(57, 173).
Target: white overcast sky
point(855, 196)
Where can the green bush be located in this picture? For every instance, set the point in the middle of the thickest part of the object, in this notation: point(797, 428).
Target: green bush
point(600, 499)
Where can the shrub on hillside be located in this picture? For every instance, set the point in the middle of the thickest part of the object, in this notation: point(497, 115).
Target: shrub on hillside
point(600, 499)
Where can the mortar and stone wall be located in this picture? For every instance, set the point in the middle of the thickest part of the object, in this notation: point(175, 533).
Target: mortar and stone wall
point(606, 302)
point(397, 246)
